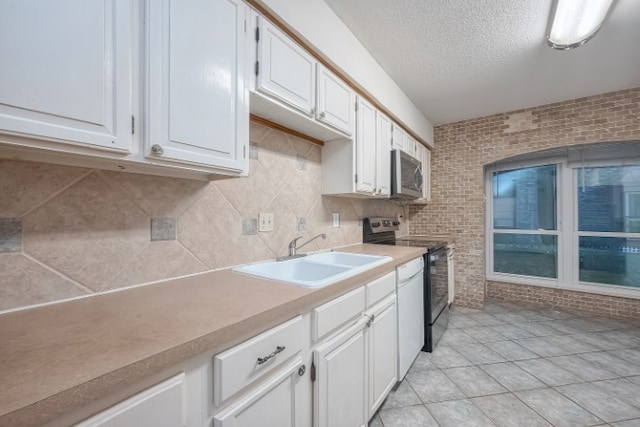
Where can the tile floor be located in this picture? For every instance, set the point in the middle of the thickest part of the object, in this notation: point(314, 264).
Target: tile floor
point(516, 366)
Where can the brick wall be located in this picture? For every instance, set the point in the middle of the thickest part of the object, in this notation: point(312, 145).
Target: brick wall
point(464, 148)
point(560, 298)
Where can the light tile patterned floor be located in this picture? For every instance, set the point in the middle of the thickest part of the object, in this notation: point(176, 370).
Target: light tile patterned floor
point(513, 365)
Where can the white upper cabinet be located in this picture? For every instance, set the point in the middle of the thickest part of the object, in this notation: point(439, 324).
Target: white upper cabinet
point(65, 72)
point(410, 146)
point(366, 147)
point(362, 166)
point(285, 70)
point(335, 101)
point(399, 137)
point(383, 149)
point(198, 87)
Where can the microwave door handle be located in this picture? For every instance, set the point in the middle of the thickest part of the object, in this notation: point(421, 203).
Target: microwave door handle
point(417, 177)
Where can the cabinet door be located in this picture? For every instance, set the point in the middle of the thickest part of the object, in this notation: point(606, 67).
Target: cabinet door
point(383, 160)
point(285, 70)
point(66, 71)
point(336, 101)
point(366, 147)
point(340, 389)
point(399, 137)
point(272, 403)
point(410, 145)
point(426, 174)
point(383, 352)
point(159, 406)
point(198, 86)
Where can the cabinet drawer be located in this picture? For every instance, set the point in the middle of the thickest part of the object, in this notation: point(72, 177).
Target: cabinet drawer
point(333, 314)
point(243, 364)
point(380, 288)
point(160, 405)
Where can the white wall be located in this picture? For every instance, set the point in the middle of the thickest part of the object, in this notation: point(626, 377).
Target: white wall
point(318, 25)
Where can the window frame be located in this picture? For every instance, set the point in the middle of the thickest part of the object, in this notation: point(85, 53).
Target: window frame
point(566, 229)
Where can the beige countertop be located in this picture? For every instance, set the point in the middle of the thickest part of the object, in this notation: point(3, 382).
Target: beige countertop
point(57, 358)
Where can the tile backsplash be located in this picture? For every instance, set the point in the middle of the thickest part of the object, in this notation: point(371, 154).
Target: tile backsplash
point(68, 231)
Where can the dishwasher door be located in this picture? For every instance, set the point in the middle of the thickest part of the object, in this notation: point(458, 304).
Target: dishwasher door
point(410, 318)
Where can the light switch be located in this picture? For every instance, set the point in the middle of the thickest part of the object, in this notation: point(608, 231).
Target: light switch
point(265, 221)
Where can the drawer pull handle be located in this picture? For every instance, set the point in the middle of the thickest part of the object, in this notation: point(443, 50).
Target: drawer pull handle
point(278, 349)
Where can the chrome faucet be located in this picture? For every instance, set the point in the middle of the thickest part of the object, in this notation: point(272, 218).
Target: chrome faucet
point(293, 248)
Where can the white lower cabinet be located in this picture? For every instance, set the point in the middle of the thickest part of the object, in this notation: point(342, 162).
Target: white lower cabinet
point(356, 368)
point(383, 352)
point(340, 389)
point(330, 367)
point(159, 406)
point(264, 381)
point(272, 403)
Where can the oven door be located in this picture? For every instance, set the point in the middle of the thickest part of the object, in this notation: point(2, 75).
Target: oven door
point(406, 176)
point(438, 283)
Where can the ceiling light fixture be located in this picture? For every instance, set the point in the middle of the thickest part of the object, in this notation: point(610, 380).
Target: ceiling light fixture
point(575, 22)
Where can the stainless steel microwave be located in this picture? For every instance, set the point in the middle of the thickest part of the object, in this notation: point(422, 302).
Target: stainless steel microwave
point(406, 176)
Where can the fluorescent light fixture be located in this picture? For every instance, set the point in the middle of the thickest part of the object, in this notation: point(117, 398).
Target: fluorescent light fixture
point(575, 22)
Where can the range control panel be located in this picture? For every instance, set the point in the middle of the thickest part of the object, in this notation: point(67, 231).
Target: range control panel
point(379, 225)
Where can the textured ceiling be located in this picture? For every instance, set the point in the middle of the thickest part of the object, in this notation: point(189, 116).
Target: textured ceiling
point(459, 59)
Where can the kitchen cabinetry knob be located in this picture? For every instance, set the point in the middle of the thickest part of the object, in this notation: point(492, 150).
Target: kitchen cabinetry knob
point(301, 370)
point(371, 319)
point(313, 111)
point(157, 150)
point(322, 115)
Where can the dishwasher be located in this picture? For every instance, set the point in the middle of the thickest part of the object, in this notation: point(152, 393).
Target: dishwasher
point(410, 282)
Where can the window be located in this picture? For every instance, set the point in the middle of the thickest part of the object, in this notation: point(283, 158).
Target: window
point(607, 223)
point(565, 224)
point(524, 221)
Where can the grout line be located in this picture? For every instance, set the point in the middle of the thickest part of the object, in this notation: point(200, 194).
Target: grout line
point(123, 194)
point(58, 192)
point(190, 252)
point(59, 273)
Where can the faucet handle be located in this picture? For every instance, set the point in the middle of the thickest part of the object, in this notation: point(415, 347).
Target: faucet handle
point(294, 241)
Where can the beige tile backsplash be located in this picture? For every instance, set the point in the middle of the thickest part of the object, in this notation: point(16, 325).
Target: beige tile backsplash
point(86, 231)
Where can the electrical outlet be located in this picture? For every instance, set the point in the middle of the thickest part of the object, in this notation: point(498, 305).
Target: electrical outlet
point(265, 221)
point(301, 224)
point(336, 219)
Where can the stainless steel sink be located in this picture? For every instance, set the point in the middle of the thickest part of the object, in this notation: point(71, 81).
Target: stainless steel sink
point(316, 270)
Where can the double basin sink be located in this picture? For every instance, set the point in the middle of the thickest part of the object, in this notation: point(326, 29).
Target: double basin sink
point(315, 270)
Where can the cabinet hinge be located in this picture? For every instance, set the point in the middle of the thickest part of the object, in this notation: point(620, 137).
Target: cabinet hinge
point(245, 25)
point(313, 372)
point(133, 125)
point(244, 151)
point(356, 105)
point(257, 34)
point(257, 68)
point(356, 178)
